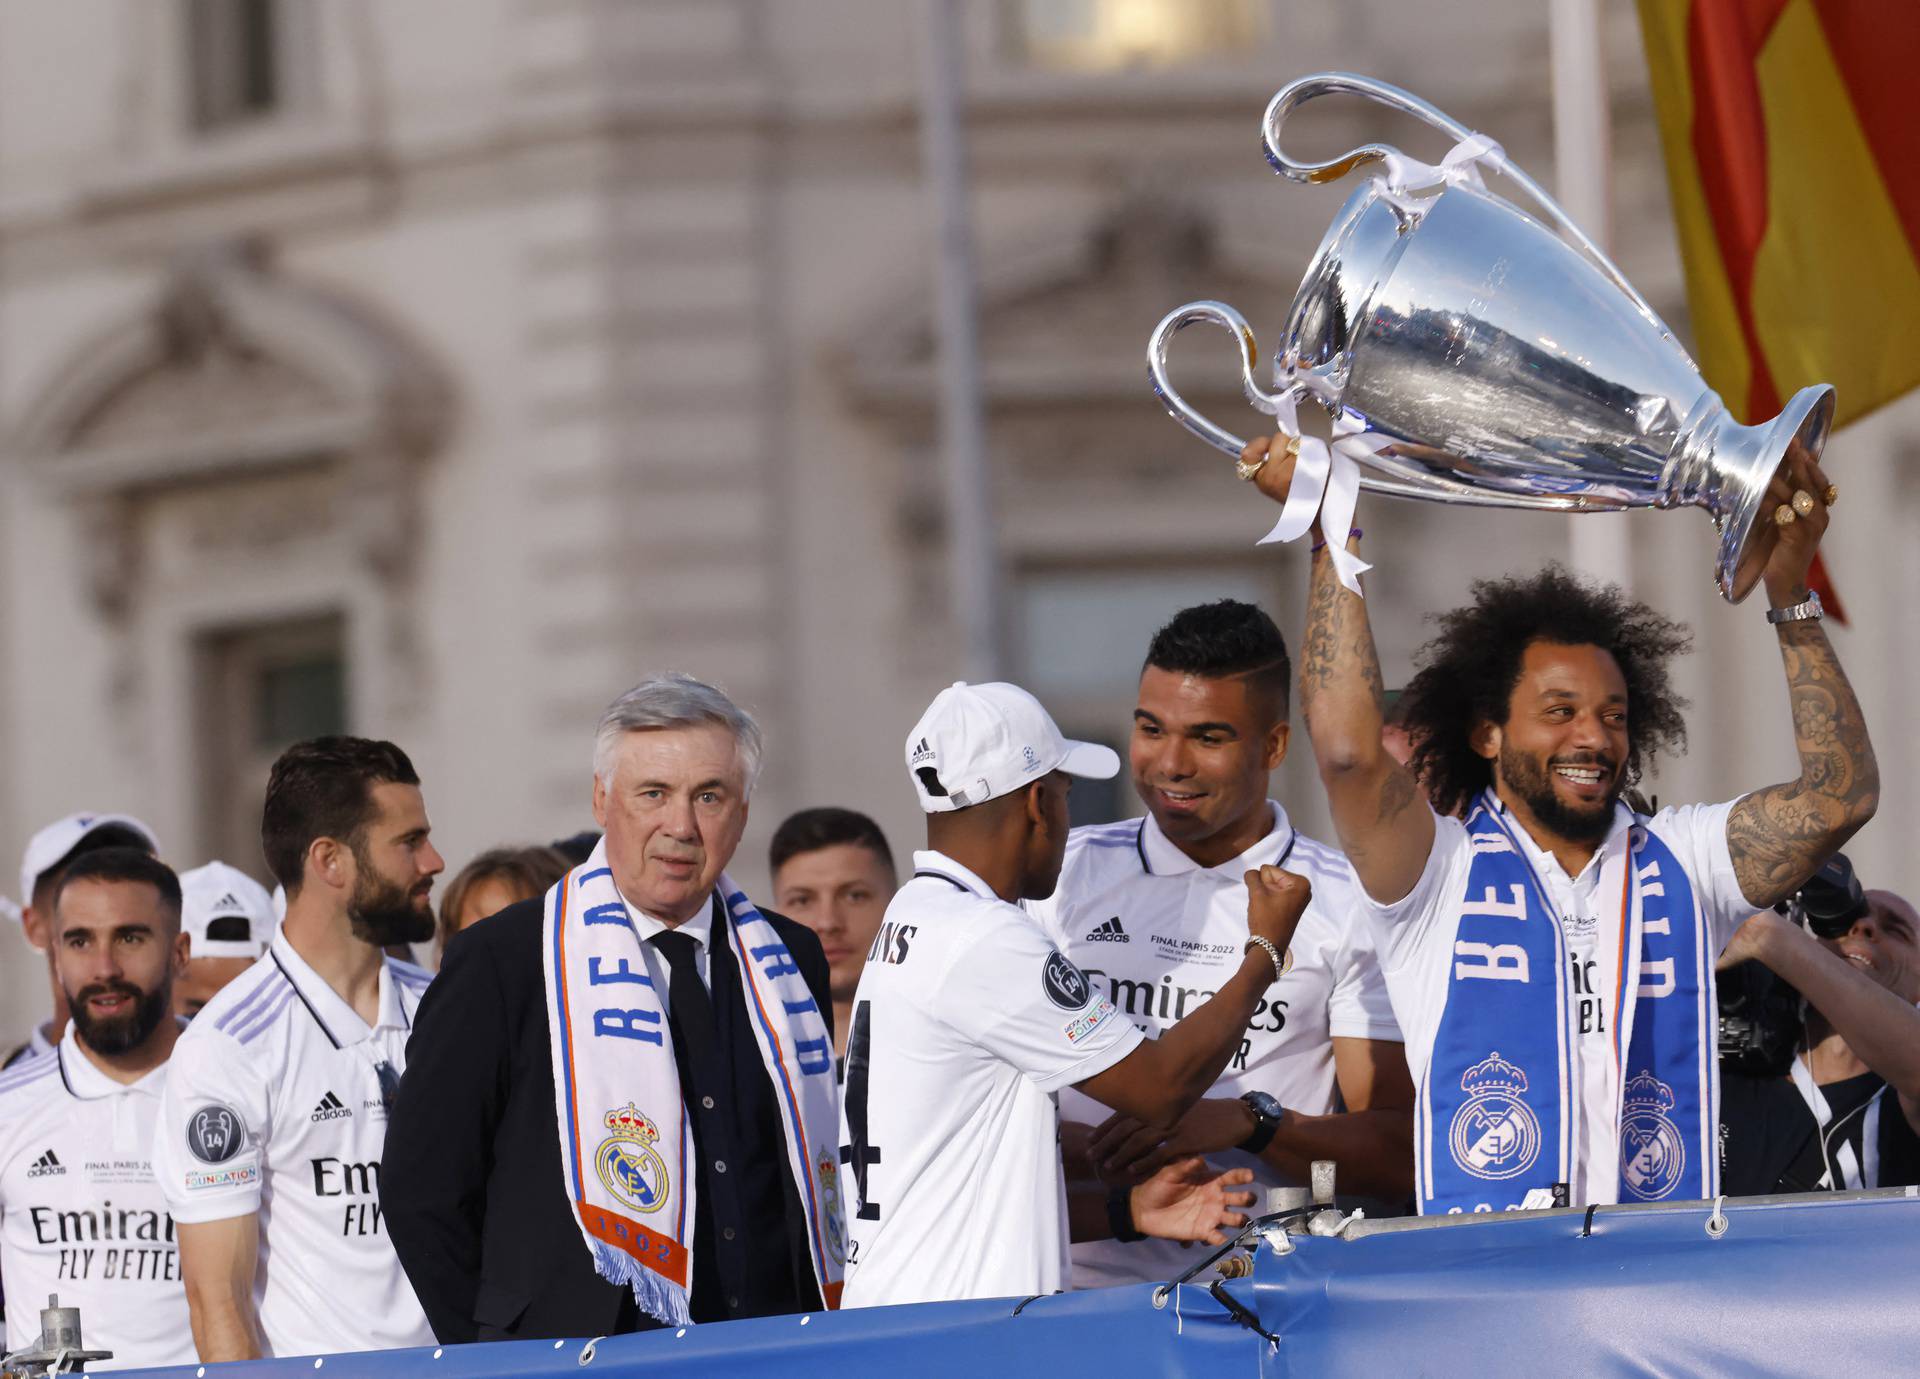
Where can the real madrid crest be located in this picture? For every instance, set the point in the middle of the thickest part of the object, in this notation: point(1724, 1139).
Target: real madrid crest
point(627, 1162)
point(1653, 1156)
point(1494, 1134)
point(829, 1173)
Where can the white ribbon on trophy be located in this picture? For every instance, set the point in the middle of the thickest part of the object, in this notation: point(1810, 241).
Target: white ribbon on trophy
point(1461, 166)
point(1326, 480)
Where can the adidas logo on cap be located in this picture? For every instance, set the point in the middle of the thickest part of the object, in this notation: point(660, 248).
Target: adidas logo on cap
point(229, 903)
point(921, 752)
point(48, 1165)
point(330, 1108)
point(1110, 932)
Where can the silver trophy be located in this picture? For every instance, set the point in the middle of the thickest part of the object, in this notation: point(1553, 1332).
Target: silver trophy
point(1508, 365)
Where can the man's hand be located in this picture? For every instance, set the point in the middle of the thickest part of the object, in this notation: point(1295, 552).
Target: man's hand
point(1125, 1152)
point(1787, 552)
point(1188, 1201)
point(1275, 901)
point(1748, 940)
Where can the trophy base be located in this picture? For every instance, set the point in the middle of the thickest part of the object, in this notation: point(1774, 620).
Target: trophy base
point(1754, 454)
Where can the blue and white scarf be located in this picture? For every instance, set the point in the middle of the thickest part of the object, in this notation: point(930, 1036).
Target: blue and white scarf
point(1498, 1119)
point(626, 1143)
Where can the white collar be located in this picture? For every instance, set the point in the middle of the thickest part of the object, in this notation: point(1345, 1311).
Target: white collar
point(1549, 865)
point(340, 1022)
point(698, 927)
point(86, 1081)
point(928, 862)
point(1160, 856)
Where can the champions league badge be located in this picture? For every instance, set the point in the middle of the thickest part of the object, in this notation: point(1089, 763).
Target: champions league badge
point(1494, 1134)
point(628, 1163)
point(1653, 1156)
point(1066, 985)
point(215, 1133)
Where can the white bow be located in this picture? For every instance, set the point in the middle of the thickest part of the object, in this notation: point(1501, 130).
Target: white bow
point(1326, 480)
point(1461, 166)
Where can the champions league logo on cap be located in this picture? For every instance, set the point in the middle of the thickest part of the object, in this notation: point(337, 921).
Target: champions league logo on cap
point(627, 1162)
point(1494, 1135)
point(1652, 1154)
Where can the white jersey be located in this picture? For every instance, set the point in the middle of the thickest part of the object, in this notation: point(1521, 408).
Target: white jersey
point(1156, 934)
point(276, 1105)
point(1416, 936)
point(81, 1214)
point(966, 1024)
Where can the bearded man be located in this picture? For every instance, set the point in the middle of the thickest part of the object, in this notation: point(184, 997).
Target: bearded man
point(276, 1107)
point(1549, 950)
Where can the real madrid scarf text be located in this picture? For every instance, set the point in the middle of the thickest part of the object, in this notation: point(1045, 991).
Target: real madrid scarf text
point(1500, 1104)
point(625, 1140)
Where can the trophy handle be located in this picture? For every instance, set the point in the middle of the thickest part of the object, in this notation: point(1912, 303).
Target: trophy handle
point(1178, 407)
point(1298, 92)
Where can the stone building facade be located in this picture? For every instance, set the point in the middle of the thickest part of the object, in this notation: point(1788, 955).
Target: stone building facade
point(434, 370)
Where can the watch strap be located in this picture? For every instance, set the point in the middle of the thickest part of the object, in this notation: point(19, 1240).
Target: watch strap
point(1809, 609)
point(1120, 1215)
point(1265, 1126)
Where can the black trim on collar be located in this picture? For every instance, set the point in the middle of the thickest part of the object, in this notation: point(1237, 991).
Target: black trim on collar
point(303, 999)
point(1287, 851)
point(1140, 845)
point(60, 1062)
point(953, 881)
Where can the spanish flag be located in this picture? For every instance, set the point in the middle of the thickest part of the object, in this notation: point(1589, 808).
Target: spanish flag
point(1793, 154)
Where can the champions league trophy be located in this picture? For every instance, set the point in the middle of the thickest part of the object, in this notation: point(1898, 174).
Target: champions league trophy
point(1469, 354)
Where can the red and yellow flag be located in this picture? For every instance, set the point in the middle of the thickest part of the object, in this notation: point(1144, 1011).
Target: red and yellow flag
point(1792, 137)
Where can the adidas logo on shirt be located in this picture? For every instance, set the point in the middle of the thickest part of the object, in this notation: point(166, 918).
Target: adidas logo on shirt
point(1110, 932)
point(48, 1165)
point(330, 1108)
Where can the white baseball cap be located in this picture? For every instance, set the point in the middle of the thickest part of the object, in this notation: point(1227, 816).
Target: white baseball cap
point(978, 742)
point(56, 840)
point(220, 892)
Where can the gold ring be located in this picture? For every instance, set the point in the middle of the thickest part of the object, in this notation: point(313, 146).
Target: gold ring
point(1247, 471)
point(1803, 502)
point(1831, 495)
point(1783, 515)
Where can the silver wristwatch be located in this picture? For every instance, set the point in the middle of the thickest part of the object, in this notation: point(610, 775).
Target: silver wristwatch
point(1807, 610)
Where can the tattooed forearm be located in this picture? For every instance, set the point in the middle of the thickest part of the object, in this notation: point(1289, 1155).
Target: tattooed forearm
point(1341, 689)
point(1781, 835)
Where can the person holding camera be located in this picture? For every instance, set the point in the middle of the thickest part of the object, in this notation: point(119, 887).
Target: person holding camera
point(1820, 1051)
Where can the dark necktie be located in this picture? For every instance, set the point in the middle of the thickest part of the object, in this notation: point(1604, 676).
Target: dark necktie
point(689, 1007)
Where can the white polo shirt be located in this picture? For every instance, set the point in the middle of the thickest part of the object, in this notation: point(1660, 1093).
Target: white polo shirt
point(966, 1025)
point(1416, 934)
point(81, 1214)
point(275, 1105)
point(1157, 934)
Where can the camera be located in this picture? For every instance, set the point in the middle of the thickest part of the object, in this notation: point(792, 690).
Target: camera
point(1761, 1015)
point(1831, 901)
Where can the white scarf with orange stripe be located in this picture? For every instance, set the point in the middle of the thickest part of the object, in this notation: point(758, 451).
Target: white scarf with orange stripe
point(625, 1139)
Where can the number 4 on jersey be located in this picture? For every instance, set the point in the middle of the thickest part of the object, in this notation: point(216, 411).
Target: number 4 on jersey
point(862, 1153)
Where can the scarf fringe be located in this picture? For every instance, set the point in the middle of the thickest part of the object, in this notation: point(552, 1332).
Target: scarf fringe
point(666, 1303)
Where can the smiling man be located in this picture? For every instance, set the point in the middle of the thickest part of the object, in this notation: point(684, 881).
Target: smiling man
point(277, 1104)
point(1846, 1113)
point(1154, 910)
point(1548, 949)
point(80, 1212)
point(620, 1108)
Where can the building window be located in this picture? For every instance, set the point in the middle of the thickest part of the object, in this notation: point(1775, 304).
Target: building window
point(1081, 636)
point(236, 72)
point(1119, 35)
point(262, 688)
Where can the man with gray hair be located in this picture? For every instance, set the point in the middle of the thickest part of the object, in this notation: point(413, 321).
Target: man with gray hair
point(619, 1109)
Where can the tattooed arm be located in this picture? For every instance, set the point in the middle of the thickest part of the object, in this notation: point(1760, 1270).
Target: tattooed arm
point(1782, 835)
point(1383, 821)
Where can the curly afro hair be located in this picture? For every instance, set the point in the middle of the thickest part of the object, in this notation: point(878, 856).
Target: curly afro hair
point(1467, 673)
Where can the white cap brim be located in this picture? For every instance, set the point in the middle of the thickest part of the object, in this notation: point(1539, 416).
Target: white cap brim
point(1089, 760)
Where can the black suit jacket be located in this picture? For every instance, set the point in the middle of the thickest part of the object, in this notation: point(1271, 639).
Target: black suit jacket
point(470, 1181)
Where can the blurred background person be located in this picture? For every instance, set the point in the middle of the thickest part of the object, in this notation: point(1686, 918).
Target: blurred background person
point(49, 853)
point(833, 871)
point(229, 921)
point(80, 1212)
point(497, 878)
point(1820, 1078)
